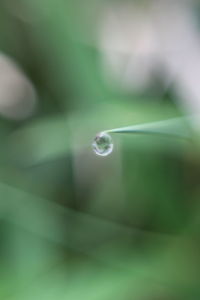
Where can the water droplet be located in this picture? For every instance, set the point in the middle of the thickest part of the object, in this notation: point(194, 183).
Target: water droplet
point(103, 144)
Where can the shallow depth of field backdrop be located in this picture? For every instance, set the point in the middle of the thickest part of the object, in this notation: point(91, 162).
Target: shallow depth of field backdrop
point(74, 225)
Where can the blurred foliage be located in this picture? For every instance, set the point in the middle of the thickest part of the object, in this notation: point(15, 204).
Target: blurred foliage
point(74, 225)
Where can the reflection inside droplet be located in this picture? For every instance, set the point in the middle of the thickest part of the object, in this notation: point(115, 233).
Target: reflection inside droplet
point(102, 144)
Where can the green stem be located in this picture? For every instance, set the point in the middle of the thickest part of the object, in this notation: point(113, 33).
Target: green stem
point(177, 127)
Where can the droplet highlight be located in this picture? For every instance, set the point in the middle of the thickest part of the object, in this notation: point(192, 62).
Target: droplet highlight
point(102, 144)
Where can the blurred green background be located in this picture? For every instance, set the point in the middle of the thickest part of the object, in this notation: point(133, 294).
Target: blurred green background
point(75, 225)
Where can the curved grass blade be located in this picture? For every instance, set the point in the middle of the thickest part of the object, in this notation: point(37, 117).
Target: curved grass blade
point(178, 127)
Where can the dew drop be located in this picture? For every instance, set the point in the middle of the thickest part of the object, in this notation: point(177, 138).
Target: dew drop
point(102, 144)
